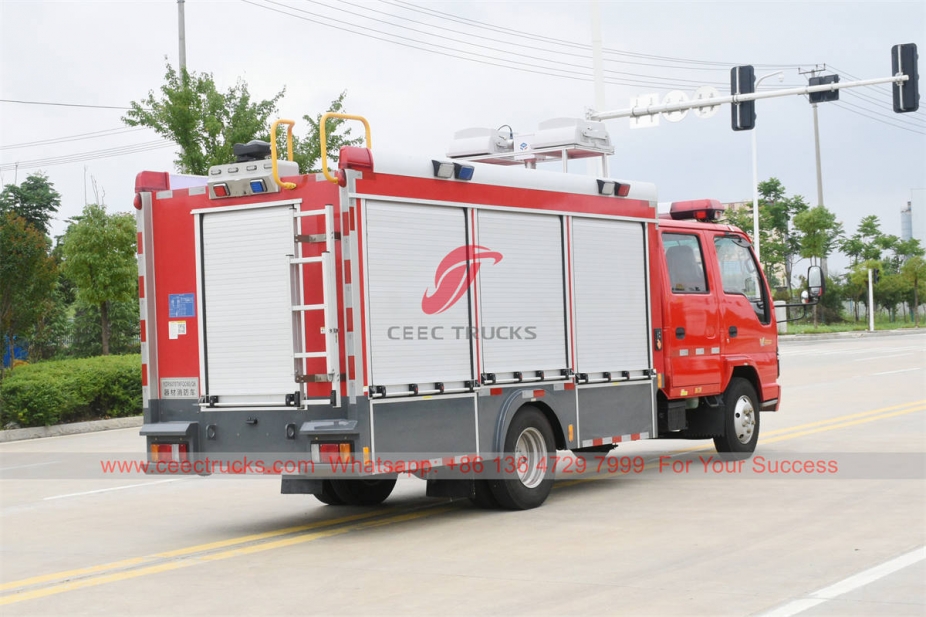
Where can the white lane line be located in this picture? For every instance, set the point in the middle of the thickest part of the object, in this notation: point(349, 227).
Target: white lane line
point(896, 355)
point(2, 469)
point(114, 488)
point(849, 584)
point(903, 370)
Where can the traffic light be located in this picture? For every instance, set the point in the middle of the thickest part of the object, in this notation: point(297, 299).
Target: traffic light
point(906, 93)
point(875, 276)
point(826, 95)
point(743, 81)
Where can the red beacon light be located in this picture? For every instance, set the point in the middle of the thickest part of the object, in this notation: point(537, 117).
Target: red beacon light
point(704, 210)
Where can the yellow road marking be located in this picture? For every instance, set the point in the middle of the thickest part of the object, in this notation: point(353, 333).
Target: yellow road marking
point(878, 414)
point(842, 425)
point(199, 548)
point(103, 577)
point(235, 552)
point(842, 418)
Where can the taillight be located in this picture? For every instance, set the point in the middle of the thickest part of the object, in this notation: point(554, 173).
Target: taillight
point(331, 452)
point(169, 452)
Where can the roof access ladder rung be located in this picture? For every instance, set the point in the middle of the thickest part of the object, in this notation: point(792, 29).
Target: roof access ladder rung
point(327, 260)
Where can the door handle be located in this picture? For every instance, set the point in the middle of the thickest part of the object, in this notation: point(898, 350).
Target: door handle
point(733, 331)
point(680, 333)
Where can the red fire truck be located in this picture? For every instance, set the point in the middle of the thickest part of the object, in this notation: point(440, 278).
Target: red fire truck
point(416, 314)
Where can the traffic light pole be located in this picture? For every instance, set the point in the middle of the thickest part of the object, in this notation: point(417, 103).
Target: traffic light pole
point(871, 302)
point(649, 110)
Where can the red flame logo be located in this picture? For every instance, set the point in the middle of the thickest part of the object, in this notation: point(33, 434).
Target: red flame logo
point(455, 273)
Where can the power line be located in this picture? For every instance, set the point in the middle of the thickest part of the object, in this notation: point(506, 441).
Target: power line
point(62, 104)
point(450, 17)
point(910, 119)
point(67, 138)
point(480, 46)
point(896, 126)
point(489, 61)
point(89, 155)
point(545, 49)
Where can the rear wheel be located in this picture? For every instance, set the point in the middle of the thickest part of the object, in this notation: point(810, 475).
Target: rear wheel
point(741, 418)
point(483, 497)
point(328, 496)
point(363, 492)
point(528, 459)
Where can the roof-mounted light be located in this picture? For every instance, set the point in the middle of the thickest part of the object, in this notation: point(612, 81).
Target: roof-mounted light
point(611, 188)
point(704, 210)
point(463, 172)
point(442, 169)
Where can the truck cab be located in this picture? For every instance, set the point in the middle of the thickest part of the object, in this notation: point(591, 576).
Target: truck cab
point(717, 328)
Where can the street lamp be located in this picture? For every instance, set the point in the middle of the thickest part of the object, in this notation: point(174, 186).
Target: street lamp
point(755, 175)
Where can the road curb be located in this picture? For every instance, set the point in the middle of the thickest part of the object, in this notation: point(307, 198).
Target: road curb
point(75, 428)
point(794, 338)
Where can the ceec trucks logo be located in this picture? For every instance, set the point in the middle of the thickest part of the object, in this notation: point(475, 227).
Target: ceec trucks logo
point(455, 273)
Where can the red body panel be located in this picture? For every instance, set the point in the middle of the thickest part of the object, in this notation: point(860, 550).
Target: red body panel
point(701, 363)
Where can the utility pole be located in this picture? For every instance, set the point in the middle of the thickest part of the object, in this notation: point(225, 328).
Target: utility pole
point(816, 133)
point(182, 35)
point(871, 301)
point(816, 138)
point(598, 68)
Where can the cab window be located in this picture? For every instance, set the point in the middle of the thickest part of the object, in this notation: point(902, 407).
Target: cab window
point(739, 273)
point(685, 262)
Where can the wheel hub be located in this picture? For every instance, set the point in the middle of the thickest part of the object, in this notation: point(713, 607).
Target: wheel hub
point(744, 420)
point(530, 453)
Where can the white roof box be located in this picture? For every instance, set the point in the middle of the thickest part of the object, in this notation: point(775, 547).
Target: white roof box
point(478, 142)
point(565, 132)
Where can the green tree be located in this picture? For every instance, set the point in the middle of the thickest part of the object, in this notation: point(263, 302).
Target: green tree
point(868, 242)
point(99, 257)
point(818, 233)
point(35, 200)
point(856, 286)
point(776, 212)
point(307, 149)
point(914, 271)
point(204, 122)
point(27, 277)
point(778, 246)
point(86, 330)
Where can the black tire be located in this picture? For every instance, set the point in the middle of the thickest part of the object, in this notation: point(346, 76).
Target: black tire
point(484, 498)
point(363, 492)
point(328, 496)
point(741, 418)
point(530, 489)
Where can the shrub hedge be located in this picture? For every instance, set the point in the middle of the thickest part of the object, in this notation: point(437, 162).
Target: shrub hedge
point(71, 391)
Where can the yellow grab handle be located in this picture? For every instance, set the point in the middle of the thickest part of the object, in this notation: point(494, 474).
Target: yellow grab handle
point(289, 149)
point(324, 140)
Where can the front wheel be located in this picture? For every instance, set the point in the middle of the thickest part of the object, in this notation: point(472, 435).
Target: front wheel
point(741, 418)
point(528, 456)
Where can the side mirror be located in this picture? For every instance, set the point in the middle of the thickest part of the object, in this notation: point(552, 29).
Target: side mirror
point(816, 283)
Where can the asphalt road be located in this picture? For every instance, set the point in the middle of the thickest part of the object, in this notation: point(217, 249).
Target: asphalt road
point(680, 538)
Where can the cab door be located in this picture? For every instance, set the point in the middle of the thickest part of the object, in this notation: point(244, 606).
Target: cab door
point(747, 331)
point(691, 332)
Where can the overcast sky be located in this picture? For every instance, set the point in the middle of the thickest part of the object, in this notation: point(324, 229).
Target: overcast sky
point(419, 71)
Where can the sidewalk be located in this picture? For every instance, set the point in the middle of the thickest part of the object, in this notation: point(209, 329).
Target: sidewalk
point(793, 338)
point(75, 428)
